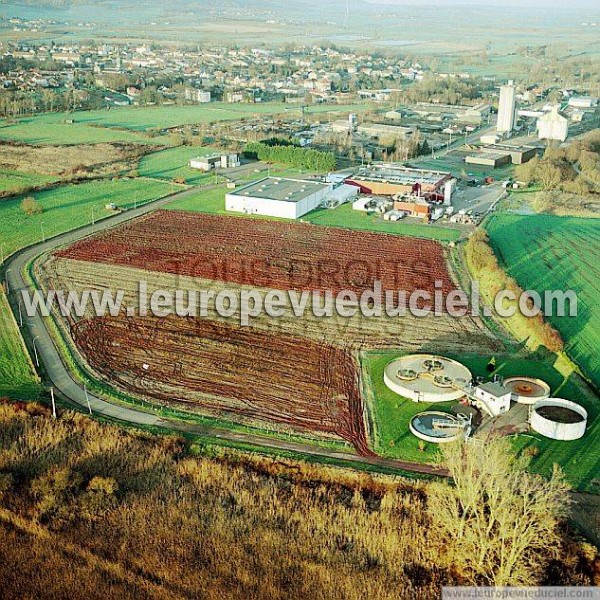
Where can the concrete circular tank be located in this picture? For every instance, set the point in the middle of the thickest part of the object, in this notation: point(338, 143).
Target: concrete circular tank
point(437, 427)
point(527, 390)
point(427, 378)
point(558, 419)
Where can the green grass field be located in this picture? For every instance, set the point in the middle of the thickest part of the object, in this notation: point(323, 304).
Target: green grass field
point(17, 378)
point(142, 118)
point(173, 163)
point(546, 252)
point(14, 181)
point(213, 201)
point(391, 415)
point(41, 131)
point(68, 207)
point(128, 124)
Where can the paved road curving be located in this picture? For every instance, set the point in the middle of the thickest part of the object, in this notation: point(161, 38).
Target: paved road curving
point(58, 376)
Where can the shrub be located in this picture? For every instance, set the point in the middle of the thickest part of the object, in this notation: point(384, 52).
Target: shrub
point(30, 206)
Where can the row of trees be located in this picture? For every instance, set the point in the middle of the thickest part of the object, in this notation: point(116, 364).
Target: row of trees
point(295, 156)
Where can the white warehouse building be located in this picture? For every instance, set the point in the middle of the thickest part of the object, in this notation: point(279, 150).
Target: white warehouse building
point(278, 197)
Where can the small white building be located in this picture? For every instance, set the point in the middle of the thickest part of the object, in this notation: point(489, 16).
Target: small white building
point(583, 102)
point(490, 138)
point(361, 203)
point(278, 197)
point(553, 126)
point(215, 161)
point(494, 397)
point(343, 193)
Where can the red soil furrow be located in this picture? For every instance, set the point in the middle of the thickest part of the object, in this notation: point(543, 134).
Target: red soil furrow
point(239, 371)
point(272, 254)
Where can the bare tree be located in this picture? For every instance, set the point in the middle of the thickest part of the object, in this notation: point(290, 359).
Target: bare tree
point(499, 523)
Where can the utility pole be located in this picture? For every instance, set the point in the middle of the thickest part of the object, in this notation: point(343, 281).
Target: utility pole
point(35, 352)
point(87, 398)
point(42, 228)
point(20, 315)
point(53, 402)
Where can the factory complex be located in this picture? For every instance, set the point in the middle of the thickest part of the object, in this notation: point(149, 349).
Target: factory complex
point(409, 192)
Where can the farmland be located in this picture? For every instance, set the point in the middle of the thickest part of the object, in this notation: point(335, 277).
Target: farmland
point(70, 206)
point(16, 373)
point(41, 131)
point(12, 182)
point(288, 256)
point(230, 370)
point(546, 252)
point(391, 414)
point(135, 124)
point(265, 373)
point(444, 333)
point(165, 117)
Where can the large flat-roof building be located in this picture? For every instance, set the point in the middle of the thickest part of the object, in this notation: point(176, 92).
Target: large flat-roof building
point(278, 197)
point(494, 155)
point(488, 158)
point(379, 130)
point(389, 179)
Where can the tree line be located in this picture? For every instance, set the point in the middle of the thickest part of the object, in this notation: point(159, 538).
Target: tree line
point(295, 156)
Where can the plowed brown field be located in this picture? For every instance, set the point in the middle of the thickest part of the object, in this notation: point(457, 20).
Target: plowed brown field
point(230, 370)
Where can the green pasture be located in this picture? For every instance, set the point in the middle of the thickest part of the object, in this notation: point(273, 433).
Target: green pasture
point(12, 182)
point(547, 252)
point(130, 124)
point(71, 206)
point(52, 130)
point(17, 378)
point(173, 164)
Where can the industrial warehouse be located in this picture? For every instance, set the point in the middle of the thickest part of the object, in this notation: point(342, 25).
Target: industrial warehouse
point(388, 179)
point(286, 198)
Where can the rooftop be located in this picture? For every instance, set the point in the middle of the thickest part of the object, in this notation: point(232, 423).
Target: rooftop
point(495, 389)
point(282, 189)
point(399, 174)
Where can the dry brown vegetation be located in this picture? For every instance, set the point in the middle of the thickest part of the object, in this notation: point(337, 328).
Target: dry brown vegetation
point(91, 510)
point(566, 204)
point(30, 206)
point(492, 278)
point(501, 522)
point(69, 161)
point(569, 177)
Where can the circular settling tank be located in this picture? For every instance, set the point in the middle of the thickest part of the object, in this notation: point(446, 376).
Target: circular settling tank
point(527, 390)
point(427, 378)
point(559, 419)
point(437, 427)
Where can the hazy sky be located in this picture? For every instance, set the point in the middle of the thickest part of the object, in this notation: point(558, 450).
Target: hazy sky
point(593, 5)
